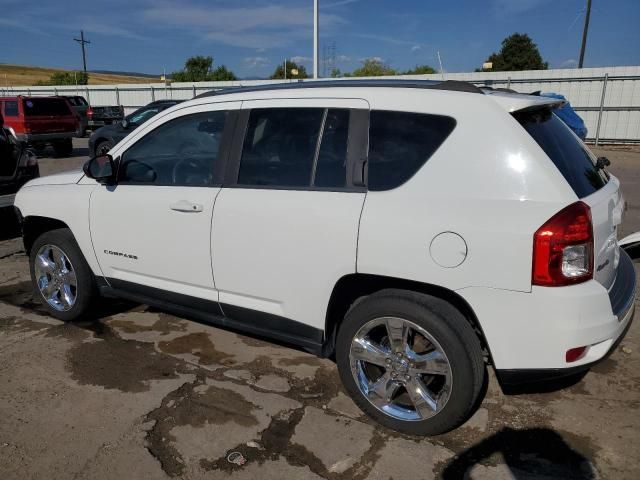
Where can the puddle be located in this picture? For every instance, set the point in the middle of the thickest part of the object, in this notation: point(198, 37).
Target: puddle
point(198, 344)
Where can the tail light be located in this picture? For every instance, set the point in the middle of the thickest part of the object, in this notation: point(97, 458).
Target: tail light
point(563, 248)
point(90, 113)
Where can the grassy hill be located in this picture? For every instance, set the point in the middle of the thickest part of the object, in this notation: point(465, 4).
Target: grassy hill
point(21, 75)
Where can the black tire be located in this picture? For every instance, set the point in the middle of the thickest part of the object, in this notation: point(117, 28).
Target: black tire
point(448, 327)
point(86, 290)
point(63, 148)
point(103, 147)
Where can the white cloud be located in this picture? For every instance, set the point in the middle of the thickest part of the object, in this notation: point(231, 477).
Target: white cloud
point(301, 59)
point(416, 48)
point(392, 40)
point(255, 62)
point(338, 3)
point(375, 59)
point(506, 7)
point(569, 63)
point(263, 26)
point(343, 58)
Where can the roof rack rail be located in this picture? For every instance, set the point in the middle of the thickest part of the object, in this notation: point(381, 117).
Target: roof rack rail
point(451, 85)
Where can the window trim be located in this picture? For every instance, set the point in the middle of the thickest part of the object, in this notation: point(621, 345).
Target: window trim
point(217, 166)
point(355, 147)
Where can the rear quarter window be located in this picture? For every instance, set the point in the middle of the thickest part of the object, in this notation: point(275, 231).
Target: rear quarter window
point(45, 107)
point(566, 151)
point(400, 143)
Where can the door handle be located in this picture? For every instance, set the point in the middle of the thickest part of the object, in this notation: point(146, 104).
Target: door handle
point(186, 206)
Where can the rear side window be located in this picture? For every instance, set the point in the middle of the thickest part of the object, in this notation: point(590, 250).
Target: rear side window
point(400, 143)
point(568, 154)
point(11, 108)
point(45, 107)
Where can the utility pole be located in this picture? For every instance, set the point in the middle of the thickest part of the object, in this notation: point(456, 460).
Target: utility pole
point(316, 43)
point(584, 34)
point(82, 43)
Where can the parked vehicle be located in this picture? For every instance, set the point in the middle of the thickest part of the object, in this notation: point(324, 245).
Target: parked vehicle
point(567, 114)
point(18, 165)
point(80, 105)
point(103, 139)
point(41, 120)
point(107, 115)
point(417, 231)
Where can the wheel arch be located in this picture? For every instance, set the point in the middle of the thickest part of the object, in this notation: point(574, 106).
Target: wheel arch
point(352, 288)
point(33, 226)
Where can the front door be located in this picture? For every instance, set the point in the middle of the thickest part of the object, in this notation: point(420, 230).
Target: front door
point(153, 229)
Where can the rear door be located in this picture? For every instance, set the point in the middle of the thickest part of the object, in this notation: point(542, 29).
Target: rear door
point(593, 186)
point(285, 224)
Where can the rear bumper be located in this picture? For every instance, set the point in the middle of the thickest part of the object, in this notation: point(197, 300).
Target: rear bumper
point(45, 137)
point(528, 334)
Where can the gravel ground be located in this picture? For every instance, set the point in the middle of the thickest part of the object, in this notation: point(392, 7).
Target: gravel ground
point(143, 394)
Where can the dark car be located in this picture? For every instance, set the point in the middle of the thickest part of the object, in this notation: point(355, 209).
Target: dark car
point(80, 105)
point(104, 138)
point(18, 165)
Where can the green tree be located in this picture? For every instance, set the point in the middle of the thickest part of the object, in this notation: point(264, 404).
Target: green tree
point(372, 67)
point(336, 73)
point(200, 69)
point(278, 73)
point(222, 73)
point(66, 78)
point(518, 52)
point(420, 70)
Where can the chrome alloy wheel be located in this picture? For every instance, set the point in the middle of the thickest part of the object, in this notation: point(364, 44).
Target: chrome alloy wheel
point(56, 278)
point(400, 368)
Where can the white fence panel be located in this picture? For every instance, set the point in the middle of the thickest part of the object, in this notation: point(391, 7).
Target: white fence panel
point(619, 113)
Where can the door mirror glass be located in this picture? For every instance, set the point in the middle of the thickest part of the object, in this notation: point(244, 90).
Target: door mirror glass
point(100, 168)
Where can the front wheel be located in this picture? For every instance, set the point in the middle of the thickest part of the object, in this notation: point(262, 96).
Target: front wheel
point(62, 279)
point(410, 361)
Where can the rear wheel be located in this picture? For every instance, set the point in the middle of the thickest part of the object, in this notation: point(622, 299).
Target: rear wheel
point(63, 148)
point(62, 279)
point(410, 361)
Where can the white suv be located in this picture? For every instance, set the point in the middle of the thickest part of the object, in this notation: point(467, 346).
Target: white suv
point(416, 231)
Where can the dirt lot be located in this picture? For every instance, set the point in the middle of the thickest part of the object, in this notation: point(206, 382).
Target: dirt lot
point(143, 394)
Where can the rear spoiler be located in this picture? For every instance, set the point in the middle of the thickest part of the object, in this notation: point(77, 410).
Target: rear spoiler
point(518, 102)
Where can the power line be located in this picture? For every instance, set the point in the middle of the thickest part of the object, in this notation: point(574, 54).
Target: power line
point(82, 43)
point(584, 34)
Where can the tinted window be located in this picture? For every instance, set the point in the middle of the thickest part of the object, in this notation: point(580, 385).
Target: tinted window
point(142, 115)
point(279, 146)
point(568, 154)
point(11, 108)
point(332, 157)
point(45, 107)
point(400, 143)
point(179, 152)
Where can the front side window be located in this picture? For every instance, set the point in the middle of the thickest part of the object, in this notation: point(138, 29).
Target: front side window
point(182, 151)
point(400, 143)
point(140, 116)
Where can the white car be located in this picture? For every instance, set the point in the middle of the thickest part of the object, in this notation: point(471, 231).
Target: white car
point(417, 231)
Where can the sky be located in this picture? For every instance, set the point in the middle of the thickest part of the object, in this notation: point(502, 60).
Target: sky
point(251, 37)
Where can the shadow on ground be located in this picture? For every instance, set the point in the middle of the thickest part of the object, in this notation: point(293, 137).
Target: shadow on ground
point(525, 453)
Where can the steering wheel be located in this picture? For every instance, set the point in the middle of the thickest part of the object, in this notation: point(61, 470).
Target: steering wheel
point(184, 167)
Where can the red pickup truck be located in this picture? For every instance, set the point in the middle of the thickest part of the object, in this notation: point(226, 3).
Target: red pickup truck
point(42, 120)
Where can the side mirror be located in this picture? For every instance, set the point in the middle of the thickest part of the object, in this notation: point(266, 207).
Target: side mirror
point(101, 169)
point(124, 123)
